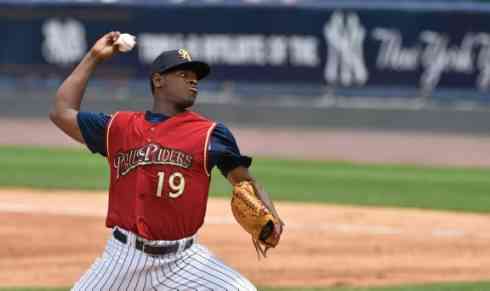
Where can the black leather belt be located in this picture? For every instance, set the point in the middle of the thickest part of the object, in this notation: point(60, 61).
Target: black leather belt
point(149, 249)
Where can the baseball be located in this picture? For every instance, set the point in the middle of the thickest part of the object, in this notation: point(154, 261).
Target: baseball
point(125, 42)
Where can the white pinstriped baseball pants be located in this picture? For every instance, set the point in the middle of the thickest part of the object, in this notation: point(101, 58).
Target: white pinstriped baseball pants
point(122, 267)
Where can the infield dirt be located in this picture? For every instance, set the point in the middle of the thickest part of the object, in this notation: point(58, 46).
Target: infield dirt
point(50, 239)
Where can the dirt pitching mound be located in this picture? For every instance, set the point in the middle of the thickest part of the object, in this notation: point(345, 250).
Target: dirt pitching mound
point(51, 238)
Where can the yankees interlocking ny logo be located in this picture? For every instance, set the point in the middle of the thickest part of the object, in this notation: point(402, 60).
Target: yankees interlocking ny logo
point(345, 62)
point(185, 55)
point(64, 41)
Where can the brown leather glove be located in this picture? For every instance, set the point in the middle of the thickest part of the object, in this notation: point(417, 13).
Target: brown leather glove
point(254, 217)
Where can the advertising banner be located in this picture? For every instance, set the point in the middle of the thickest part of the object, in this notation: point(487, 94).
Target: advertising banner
point(345, 48)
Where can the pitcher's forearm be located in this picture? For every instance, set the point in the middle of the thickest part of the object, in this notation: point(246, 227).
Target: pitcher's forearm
point(69, 96)
point(264, 196)
point(70, 93)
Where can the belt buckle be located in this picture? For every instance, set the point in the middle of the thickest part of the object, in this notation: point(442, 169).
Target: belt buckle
point(141, 243)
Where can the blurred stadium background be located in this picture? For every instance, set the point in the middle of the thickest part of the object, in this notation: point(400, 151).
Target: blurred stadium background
point(310, 69)
point(416, 65)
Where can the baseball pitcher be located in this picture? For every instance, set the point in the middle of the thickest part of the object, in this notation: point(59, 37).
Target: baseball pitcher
point(160, 169)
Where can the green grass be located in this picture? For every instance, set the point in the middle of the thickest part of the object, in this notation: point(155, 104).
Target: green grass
point(448, 188)
point(52, 168)
point(479, 286)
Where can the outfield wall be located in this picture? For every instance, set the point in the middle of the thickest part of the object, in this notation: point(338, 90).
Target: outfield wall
point(391, 50)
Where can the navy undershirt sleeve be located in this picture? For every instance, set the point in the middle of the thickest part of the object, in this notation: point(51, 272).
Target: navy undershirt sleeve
point(93, 128)
point(224, 152)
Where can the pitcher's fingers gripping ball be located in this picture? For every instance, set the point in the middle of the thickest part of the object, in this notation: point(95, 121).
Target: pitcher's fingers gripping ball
point(254, 217)
point(125, 42)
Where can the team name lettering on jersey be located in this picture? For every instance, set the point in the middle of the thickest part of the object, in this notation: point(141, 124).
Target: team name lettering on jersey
point(150, 154)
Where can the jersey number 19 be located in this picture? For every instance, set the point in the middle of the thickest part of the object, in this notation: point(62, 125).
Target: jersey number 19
point(176, 183)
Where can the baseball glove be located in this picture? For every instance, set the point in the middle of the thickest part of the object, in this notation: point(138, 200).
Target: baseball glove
point(254, 217)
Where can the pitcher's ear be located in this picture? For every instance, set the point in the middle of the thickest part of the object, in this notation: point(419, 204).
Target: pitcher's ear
point(157, 80)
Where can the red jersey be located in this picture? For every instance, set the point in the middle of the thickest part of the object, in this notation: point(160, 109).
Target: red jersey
point(159, 178)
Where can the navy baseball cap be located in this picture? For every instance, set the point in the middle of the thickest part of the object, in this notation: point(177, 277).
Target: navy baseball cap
point(178, 59)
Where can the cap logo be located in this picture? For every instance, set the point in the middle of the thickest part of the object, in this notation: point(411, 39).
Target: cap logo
point(184, 54)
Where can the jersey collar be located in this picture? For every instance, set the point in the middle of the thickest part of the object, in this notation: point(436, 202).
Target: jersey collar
point(155, 117)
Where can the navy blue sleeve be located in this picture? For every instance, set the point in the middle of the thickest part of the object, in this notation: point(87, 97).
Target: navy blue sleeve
point(93, 128)
point(224, 152)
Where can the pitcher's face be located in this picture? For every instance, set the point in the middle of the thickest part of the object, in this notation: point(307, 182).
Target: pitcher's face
point(181, 87)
